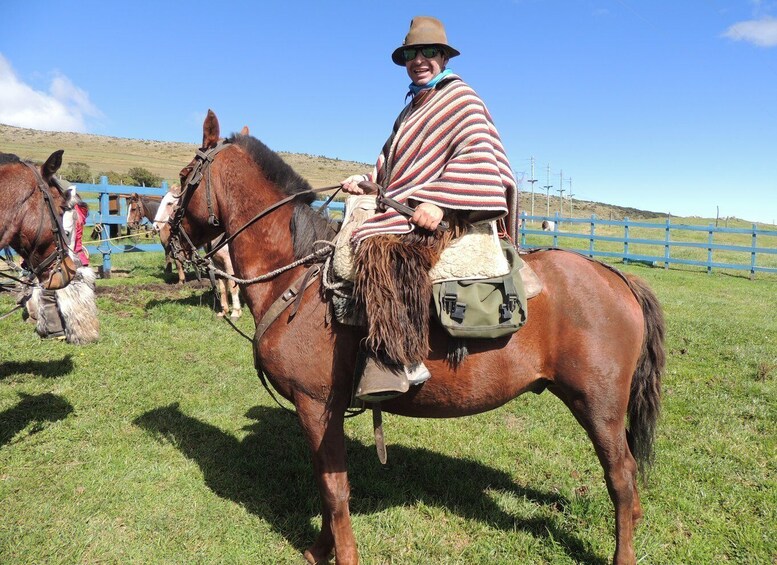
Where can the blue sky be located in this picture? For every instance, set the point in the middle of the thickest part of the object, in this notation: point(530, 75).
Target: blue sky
point(661, 105)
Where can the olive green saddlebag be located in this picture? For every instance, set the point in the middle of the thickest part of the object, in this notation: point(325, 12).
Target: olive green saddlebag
point(483, 308)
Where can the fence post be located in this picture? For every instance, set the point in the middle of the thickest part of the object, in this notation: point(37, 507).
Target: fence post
point(105, 232)
point(555, 229)
point(709, 249)
point(523, 229)
point(752, 253)
point(591, 239)
point(626, 240)
point(666, 244)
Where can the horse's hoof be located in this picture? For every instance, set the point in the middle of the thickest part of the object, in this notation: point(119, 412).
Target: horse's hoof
point(309, 558)
point(235, 314)
point(220, 315)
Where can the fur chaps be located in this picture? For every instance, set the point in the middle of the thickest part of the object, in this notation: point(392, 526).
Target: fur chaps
point(77, 307)
point(393, 287)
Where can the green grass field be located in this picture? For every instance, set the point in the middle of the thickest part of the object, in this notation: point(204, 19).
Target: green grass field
point(158, 445)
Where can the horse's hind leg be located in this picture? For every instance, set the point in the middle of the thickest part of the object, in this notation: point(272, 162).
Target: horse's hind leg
point(324, 431)
point(603, 418)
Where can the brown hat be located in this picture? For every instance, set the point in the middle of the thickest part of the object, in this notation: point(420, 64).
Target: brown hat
point(424, 30)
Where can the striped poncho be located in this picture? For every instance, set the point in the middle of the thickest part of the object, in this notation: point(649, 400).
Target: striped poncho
point(444, 150)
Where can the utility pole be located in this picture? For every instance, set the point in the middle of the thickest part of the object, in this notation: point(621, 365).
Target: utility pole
point(561, 192)
point(532, 180)
point(570, 197)
point(547, 188)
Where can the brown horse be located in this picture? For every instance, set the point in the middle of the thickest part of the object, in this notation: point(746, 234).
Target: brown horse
point(31, 208)
point(139, 207)
point(594, 338)
point(150, 207)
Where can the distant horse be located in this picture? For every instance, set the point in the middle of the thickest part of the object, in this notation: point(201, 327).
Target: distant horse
point(31, 208)
point(148, 207)
point(140, 207)
point(548, 225)
point(594, 337)
point(221, 258)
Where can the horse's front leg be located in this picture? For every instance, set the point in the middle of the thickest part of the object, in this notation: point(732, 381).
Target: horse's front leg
point(181, 273)
point(324, 431)
point(222, 290)
point(234, 291)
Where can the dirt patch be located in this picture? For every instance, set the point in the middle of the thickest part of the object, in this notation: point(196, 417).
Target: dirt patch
point(128, 293)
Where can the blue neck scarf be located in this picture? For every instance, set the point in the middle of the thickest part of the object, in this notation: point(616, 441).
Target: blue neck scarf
point(415, 89)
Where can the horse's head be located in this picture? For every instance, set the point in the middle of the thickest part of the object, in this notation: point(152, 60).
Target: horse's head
point(196, 210)
point(135, 211)
point(165, 212)
point(229, 181)
point(31, 218)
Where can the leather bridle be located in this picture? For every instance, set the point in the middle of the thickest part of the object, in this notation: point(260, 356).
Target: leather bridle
point(200, 168)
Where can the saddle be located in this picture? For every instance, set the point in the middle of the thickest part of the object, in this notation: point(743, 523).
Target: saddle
point(477, 255)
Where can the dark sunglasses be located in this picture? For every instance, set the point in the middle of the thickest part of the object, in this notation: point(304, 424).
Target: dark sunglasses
point(428, 52)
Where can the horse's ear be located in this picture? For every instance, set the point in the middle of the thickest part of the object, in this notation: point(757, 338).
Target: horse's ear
point(52, 164)
point(244, 131)
point(210, 130)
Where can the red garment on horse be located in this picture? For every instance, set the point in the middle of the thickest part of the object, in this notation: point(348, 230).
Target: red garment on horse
point(76, 245)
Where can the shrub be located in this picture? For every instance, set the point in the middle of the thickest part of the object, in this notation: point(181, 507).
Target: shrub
point(144, 177)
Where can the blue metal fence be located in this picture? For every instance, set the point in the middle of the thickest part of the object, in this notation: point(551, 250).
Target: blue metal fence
point(759, 240)
point(100, 215)
point(664, 244)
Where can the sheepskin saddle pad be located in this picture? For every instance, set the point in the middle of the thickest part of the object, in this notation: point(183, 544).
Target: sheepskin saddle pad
point(475, 255)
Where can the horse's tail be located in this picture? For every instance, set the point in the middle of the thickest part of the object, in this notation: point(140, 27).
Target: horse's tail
point(645, 396)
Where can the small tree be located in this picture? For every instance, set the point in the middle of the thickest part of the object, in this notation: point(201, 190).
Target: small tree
point(77, 172)
point(144, 177)
point(117, 178)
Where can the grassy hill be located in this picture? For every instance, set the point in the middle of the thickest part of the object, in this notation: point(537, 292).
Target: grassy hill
point(104, 153)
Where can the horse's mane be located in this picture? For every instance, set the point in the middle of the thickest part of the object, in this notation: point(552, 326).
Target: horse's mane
point(274, 168)
point(7, 158)
point(307, 226)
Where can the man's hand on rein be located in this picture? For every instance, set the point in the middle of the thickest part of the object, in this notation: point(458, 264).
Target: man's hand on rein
point(427, 216)
point(351, 184)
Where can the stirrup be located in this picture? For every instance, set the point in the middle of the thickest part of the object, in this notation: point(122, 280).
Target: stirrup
point(381, 381)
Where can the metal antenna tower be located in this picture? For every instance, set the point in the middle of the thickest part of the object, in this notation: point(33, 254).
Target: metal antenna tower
point(532, 180)
point(561, 192)
point(547, 188)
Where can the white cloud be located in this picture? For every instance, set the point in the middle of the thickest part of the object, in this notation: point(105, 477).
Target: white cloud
point(761, 32)
point(64, 108)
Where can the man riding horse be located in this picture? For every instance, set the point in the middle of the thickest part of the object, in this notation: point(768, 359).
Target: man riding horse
point(445, 158)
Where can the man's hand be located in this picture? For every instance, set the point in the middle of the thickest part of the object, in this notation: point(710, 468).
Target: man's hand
point(427, 216)
point(351, 184)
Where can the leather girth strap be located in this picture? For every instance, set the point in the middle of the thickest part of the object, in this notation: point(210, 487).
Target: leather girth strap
point(291, 296)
